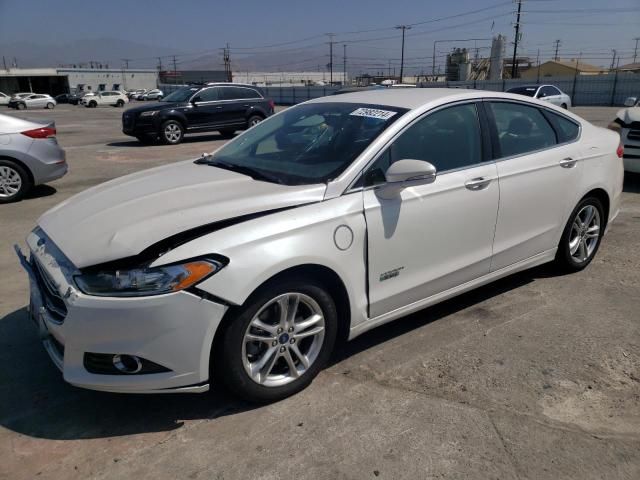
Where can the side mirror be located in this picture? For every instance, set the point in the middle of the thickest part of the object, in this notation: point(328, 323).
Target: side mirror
point(630, 101)
point(406, 173)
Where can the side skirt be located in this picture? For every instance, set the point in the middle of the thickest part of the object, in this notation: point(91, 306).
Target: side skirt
point(536, 260)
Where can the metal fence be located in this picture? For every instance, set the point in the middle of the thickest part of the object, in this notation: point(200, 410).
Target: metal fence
point(584, 90)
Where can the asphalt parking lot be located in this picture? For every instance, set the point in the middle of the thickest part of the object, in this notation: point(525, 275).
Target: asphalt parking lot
point(536, 376)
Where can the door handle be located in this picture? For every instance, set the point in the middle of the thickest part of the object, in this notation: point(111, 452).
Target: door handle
point(478, 183)
point(568, 162)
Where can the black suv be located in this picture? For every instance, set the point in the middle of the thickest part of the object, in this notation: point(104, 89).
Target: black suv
point(222, 107)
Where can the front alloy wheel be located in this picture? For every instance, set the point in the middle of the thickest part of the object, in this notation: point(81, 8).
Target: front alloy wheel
point(277, 342)
point(172, 132)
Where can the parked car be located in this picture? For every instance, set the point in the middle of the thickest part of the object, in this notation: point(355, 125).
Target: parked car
point(133, 94)
point(627, 124)
point(29, 155)
point(154, 94)
point(4, 99)
point(63, 98)
point(105, 99)
point(547, 93)
point(35, 100)
point(222, 107)
point(324, 221)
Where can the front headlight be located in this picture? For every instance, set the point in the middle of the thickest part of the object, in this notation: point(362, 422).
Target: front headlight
point(149, 114)
point(147, 281)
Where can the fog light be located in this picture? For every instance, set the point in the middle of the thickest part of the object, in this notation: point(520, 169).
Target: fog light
point(127, 363)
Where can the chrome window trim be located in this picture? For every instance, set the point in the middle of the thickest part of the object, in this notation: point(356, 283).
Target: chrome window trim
point(376, 156)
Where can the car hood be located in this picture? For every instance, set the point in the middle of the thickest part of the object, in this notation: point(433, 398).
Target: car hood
point(628, 115)
point(122, 217)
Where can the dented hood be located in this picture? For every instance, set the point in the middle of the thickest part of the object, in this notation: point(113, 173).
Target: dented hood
point(628, 115)
point(122, 217)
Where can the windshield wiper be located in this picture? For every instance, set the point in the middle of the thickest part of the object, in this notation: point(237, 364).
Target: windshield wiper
point(249, 171)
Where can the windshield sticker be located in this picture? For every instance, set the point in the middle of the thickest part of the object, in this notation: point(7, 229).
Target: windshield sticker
point(373, 113)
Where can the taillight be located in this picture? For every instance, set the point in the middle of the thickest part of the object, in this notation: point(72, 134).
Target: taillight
point(620, 151)
point(44, 132)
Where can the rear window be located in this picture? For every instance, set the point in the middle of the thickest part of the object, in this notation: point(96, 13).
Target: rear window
point(528, 91)
point(567, 130)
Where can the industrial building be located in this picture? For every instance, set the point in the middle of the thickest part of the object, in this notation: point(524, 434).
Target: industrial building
point(562, 68)
point(62, 80)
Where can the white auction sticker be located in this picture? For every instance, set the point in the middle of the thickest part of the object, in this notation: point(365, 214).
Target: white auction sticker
point(373, 113)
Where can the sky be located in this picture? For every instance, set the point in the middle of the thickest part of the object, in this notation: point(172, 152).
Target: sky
point(288, 29)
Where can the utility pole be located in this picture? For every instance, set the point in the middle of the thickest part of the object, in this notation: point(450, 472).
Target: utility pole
point(159, 64)
point(555, 57)
point(403, 28)
point(126, 63)
point(613, 61)
point(4, 62)
point(635, 50)
point(330, 35)
point(344, 64)
point(514, 64)
point(538, 63)
point(226, 55)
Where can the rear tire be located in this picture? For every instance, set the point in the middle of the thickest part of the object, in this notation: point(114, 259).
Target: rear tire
point(21, 106)
point(15, 182)
point(93, 104)
point(120, 103)
point(280, 371)
point(564, 105)
point(581, 236)
point(171, 132)
point(50, 106)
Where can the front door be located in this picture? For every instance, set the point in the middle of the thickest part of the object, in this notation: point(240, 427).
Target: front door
point(206, 109)
point(431, 238)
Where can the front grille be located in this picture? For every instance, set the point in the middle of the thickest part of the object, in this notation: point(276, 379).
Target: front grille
point(51, 298)
point(634, 134)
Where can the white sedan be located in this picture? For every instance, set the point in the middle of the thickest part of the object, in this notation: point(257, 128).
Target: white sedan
point(546, 93)
point(326, 220)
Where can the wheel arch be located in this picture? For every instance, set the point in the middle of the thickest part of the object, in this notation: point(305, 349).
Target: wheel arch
point(322, 274)
point(22, 164)
point(602, 195)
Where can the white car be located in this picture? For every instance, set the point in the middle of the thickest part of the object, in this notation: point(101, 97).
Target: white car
point(33, 100)
point(627, 124)
point(105, 99)
point(546, 93)
point(4, 99)
point(325, 220)
point(154, 94)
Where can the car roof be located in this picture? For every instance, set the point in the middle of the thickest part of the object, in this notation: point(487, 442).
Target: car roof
point(411, 98)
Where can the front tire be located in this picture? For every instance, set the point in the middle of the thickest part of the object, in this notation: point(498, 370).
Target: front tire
point(14, 182)
point(171, 132)
point(278, 341)
point(581, 236)
point(93, 104)
point(21, 106)
point(564, 105)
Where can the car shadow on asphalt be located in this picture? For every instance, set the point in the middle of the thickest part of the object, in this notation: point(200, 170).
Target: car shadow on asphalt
point(35, 400)
point(212, 137)
point(40, 191)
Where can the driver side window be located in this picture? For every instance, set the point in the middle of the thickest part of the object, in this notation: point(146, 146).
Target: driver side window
point(448, 139)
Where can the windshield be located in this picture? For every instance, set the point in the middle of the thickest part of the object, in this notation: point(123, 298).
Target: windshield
point(306, 144)
point(528, 91)
point(181, 95)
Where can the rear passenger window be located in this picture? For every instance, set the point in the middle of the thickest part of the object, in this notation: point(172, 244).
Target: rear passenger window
point(521, 129)
point(566, 129)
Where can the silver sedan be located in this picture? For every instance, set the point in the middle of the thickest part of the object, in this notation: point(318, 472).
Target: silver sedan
point(29, 155)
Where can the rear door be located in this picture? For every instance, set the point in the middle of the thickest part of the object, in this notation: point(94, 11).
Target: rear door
point(539, 171)
point(238, 103)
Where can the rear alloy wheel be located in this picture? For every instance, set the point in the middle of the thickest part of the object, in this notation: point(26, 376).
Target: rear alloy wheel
point(14, 182)
point(50, 106)
point(120, 103)
point(582, 235)
point(277, 342)
point(254, 120)
point(172, 132)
